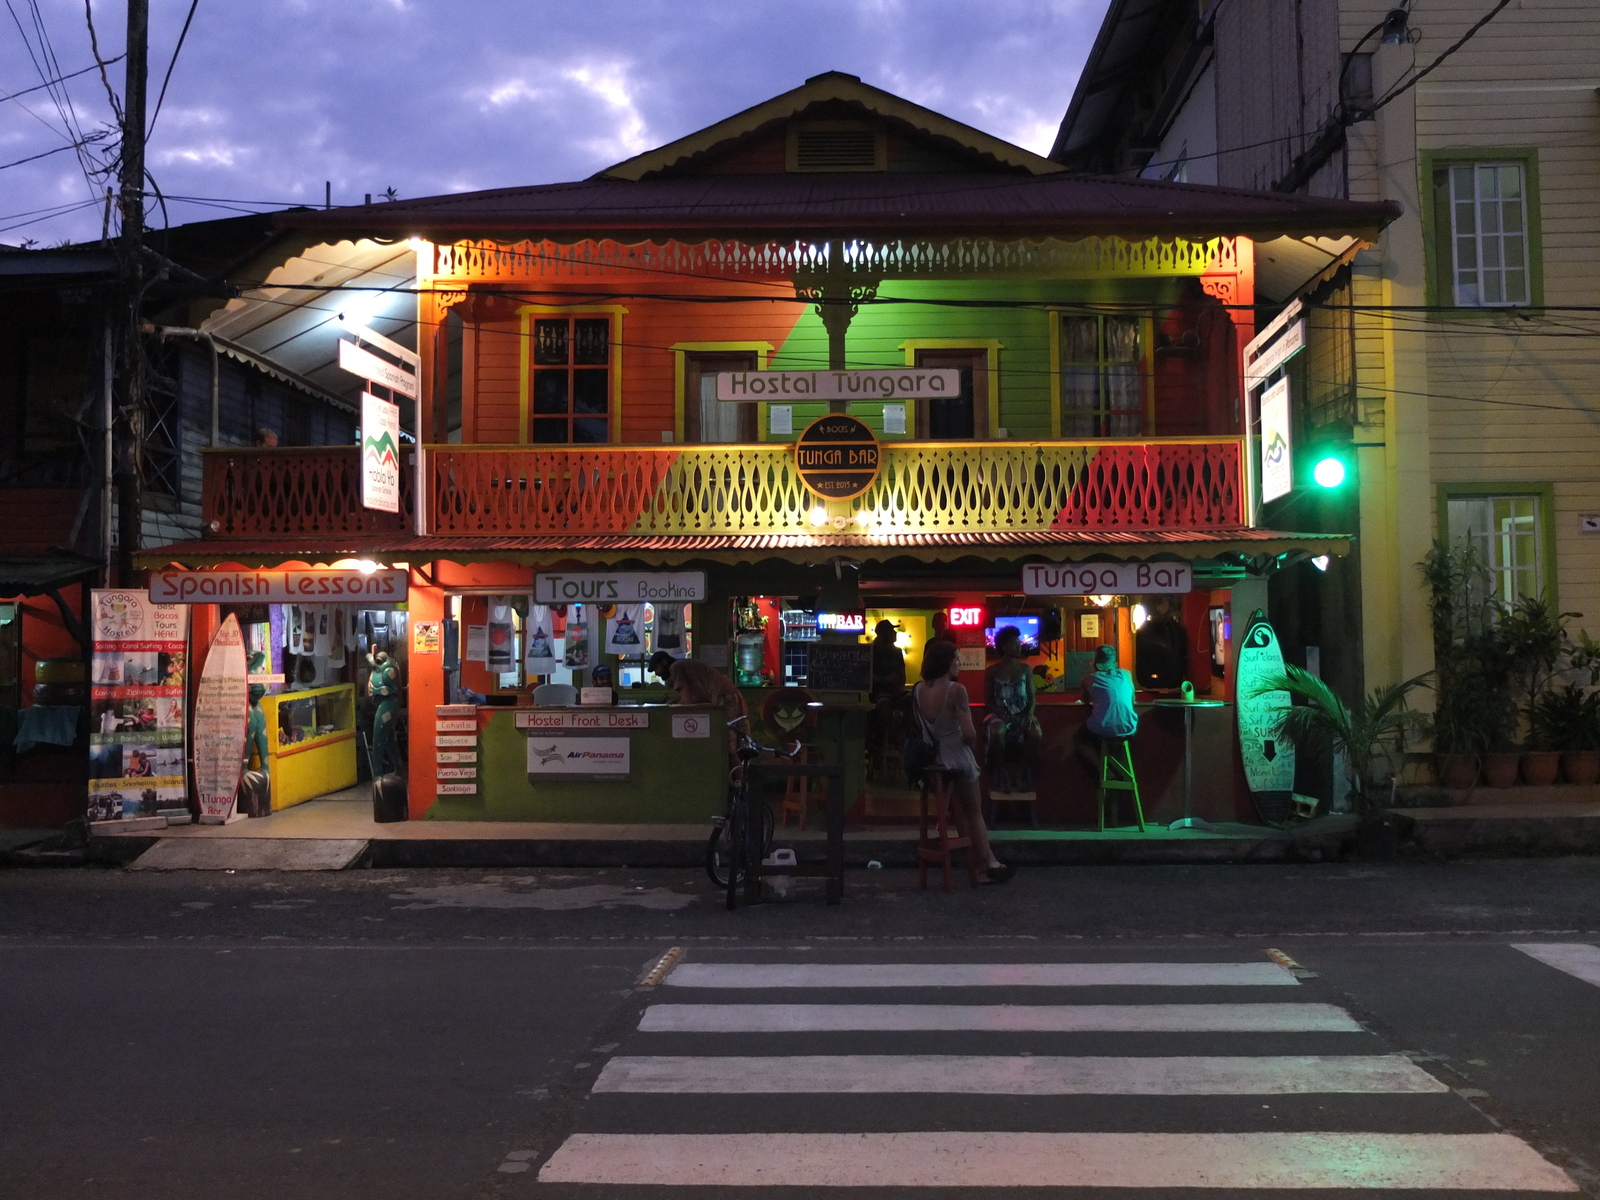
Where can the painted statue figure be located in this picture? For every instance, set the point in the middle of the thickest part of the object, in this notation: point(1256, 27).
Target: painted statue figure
point(255, 739)
point(383, 685)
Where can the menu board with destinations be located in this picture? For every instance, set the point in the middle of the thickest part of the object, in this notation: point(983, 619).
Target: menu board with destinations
point(136, 691)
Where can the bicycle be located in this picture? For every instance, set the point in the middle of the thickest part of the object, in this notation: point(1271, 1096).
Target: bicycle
point(727, 846)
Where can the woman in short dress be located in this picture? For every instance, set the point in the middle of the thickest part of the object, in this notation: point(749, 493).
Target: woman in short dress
point(942, 705)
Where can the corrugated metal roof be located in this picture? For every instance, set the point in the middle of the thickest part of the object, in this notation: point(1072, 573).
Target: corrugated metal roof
point(805, 205)
point(1055, 543)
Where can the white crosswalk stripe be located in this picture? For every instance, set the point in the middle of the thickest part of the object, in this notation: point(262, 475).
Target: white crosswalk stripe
point(1578, 959)
point(722, 1094)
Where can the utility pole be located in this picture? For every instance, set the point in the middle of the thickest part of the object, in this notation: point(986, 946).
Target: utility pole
point(130, 431)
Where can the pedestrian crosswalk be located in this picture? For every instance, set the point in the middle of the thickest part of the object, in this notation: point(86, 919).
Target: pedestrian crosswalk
point(977, 1075)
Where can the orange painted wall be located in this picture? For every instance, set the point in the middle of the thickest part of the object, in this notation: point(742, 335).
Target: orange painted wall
point(424, 690)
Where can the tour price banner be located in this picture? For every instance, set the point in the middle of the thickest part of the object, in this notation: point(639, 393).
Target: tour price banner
point(136, 696)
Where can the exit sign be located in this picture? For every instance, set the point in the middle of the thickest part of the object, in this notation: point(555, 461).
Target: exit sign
point(966, 618)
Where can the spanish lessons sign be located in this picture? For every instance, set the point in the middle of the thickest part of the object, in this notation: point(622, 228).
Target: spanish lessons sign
point(790, 387)
point(1107, 579)
point(382, 586)
point(837, 457)
point(380, 454)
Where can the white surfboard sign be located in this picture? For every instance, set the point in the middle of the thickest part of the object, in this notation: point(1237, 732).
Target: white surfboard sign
point(221, 711)
point(1268, 758)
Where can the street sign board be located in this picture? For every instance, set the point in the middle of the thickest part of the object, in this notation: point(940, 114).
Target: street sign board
point(276, 586)
point(1107, 579)
point(1275, 355)
point(619, 587)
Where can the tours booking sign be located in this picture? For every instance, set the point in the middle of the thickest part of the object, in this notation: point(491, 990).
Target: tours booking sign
point(136, 691)
point(380, 454)
point(837, 457)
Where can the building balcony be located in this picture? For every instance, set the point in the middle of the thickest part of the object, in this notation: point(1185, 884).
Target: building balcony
point(923, 487)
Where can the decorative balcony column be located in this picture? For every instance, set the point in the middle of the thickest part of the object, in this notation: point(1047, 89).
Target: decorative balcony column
point(838, 293)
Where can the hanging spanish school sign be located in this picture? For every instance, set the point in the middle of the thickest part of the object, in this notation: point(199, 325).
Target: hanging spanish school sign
point(837, 457)
point(380, 454)
point(1268, 758)
point(791, 387)
point(136, 694)
point(277, 586)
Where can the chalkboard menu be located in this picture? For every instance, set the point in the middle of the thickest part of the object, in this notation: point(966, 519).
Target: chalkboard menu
point(844, 667)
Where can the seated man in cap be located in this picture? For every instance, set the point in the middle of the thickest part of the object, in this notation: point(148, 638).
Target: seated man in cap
point(1108, 690)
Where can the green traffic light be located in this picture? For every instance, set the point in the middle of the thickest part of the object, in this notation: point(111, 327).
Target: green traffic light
point(1329, 472)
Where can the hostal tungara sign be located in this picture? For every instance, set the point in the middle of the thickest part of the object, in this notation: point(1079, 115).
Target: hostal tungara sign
point(837, 457)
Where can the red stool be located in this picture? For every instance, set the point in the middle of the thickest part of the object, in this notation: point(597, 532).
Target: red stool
point(940, 786)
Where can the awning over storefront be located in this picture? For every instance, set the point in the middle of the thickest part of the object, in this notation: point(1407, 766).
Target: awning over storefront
point(1056, 545)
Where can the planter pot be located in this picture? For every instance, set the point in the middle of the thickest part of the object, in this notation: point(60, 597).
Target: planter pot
point(1540, 767)
point(1581, 767)
point(1500, 768)
point(1456, 770)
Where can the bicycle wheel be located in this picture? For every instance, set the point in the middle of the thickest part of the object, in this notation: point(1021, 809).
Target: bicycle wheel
point(719, 855)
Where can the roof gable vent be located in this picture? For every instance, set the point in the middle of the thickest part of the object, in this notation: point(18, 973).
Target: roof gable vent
point(836, 147)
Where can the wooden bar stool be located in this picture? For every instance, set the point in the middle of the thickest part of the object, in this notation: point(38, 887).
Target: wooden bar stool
point(797, 791)
point(940, 787)
point(1116, 775)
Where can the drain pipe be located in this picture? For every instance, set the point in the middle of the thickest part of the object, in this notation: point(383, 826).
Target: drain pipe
point(200, 335)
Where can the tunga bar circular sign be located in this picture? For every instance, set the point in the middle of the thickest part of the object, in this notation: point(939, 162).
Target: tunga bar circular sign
point(837, 457)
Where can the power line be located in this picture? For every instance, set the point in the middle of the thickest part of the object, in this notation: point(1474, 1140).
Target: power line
point(58, 79)
point(172, 62)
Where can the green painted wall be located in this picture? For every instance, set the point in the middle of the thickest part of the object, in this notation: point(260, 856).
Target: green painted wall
point(1026, 387)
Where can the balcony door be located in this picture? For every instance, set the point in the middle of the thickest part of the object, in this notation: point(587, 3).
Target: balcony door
point(705, 418)
point(964, 416)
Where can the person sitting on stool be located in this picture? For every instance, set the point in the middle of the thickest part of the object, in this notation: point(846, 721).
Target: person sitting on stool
point(1108, 691)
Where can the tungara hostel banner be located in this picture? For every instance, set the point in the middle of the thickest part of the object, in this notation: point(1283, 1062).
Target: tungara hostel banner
point(136, 691)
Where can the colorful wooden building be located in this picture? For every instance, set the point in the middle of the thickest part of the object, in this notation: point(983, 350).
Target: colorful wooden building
point(569, 338)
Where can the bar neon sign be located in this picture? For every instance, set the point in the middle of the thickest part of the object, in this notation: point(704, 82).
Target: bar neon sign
point(851, 622)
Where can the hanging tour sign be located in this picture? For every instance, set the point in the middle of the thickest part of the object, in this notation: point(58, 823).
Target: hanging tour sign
point(1268, 758)
point(369, 366)
point(277, 586)
point(791, 386)
point(619, 587)
point(1277, 460)
point(837, 457)
point(380, 454)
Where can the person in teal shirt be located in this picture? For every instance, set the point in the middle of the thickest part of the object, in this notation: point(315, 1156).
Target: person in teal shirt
point(1108, 690)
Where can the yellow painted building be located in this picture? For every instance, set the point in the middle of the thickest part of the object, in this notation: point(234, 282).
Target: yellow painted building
point(1458, 356)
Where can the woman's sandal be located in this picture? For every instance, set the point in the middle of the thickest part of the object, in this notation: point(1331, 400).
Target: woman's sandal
point(1000, 874)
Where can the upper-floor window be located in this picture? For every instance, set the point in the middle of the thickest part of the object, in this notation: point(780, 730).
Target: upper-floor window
point(1102, 393)
point(571, 380)
point(705, 418)
point(1488, 229)
point(964, 415)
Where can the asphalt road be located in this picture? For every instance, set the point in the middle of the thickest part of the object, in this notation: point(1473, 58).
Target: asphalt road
point(447, 1034)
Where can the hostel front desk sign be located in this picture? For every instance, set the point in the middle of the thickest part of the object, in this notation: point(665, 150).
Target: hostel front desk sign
point(380, 587)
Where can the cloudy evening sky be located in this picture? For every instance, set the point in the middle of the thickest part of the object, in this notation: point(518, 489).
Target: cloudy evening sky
point(269, 98)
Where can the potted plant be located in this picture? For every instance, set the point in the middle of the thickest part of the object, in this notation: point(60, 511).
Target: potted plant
point(1370, 734)
point(1534, 640)
point(1568, 718)
point(1465, 720)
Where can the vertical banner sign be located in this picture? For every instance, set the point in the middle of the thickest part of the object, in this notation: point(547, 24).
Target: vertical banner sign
point(539, 641)
point(221, 710)
point(502, 652)
point(136, 739)
point(576, 643)
point(380, 454)
point(625, 631)
point(1277, 459)
point(1268, 759)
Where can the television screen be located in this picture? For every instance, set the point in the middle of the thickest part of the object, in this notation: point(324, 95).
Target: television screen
point(1028, 627)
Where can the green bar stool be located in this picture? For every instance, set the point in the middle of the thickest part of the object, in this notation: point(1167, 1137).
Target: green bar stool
point(1116, 775)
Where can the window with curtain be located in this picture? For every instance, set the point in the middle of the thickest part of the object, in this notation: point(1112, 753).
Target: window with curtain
point(705, 418)
point(571, 380)
point(1102, 393)
point(1508, 535)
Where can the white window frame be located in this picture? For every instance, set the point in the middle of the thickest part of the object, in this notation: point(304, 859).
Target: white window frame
point(1503, 544)
point(1481, 258)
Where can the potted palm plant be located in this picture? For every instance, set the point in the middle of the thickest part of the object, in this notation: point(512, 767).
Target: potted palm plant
point(1568, 718)
point(1370, 734)
point(1466, 719)
point(1536, 646)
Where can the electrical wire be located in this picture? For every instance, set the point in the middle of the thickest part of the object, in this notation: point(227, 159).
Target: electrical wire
point(4, 96)
point(172, 62)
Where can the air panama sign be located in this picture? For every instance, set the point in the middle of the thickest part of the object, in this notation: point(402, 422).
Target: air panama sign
point(277, 587)
point(1106, 579)
point(799, 386)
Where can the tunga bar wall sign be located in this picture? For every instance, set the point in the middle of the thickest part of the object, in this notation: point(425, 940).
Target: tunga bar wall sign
point(1107, 579)
point(790, 386)
point(276, 587)
point(837, 457)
